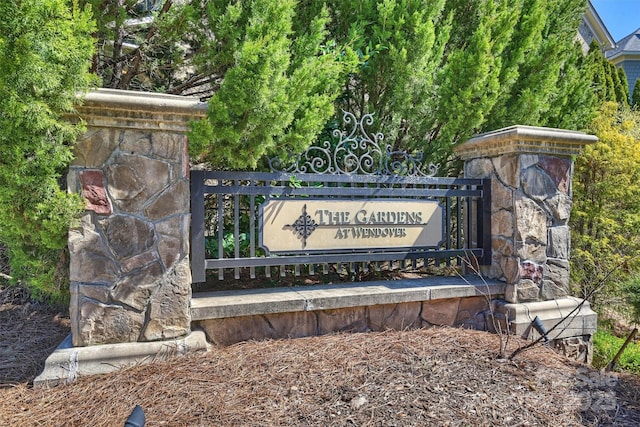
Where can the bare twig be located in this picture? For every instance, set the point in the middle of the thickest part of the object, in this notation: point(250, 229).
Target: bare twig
point(497, 326)
point(577, 308)
point(133, 69)
point(613, 362)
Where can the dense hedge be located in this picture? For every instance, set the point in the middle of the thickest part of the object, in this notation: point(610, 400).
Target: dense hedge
point(45, 53)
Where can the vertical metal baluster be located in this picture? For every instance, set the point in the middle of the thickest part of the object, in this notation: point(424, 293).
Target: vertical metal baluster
point(325, 266)
point(283, 267)
point(378, 265)
point(447, 222)
point(267, 268)
point(414, 261)
point(459, 226)
point(466, 223)
point(252, 229)
point(351, 266)
point(236, 231)
point(220, 227)
point(310, 266)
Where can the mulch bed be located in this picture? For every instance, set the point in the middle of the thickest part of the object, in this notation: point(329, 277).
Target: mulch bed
point(437, 376)
point(29, 332)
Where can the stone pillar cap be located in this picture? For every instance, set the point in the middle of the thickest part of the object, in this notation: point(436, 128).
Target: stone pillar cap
point(525, 140)
point(147, 101)
point(140, 110)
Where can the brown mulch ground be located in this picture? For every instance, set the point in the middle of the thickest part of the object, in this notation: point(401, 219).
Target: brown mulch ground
point(438, 376)
point(29, 332)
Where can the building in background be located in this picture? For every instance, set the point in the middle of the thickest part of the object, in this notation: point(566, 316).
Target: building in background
point(626, 55)
point(592, 28)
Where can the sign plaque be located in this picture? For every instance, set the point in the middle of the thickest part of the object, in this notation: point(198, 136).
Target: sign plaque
point(305, 225)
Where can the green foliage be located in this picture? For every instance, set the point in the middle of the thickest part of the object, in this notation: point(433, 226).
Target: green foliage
point(228, 245)
point(631, 289)
point(434, 73)
point(621, 85)
point(45, 49)
point(542, 80)
point(270, 76)
point(606, 346)
point(635, 99)
point(609, 82)
point(400, 45)
point(606, 213)
point(279, 91)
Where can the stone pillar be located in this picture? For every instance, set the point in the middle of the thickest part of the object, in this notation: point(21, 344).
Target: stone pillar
point(129, 267)
point(530, 170)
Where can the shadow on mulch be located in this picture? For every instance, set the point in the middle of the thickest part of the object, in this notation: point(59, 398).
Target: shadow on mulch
point(29, 332)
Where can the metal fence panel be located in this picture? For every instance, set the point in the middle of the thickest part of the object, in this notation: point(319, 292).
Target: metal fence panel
point(238, 196)
point(354, 165)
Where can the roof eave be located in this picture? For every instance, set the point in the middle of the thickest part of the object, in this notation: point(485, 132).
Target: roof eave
point(624, 55)
point(598, 27)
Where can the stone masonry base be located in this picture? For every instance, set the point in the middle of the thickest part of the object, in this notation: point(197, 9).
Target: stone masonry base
point(224, 318)
point(569, 322)
point(66, 363)
point(230, 317)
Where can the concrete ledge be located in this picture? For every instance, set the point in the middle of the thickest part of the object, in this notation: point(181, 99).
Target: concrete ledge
point(581, 322)
point(67, 362)
point(128, 100)
point(217, 305)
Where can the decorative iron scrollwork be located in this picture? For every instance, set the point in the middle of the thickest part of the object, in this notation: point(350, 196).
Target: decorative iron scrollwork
point(356, 152)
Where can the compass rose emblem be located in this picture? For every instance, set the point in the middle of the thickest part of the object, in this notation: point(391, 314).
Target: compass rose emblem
point(304, 226)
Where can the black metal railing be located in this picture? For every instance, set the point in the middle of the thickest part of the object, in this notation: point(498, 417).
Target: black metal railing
point(225, 205)
point(353, 165)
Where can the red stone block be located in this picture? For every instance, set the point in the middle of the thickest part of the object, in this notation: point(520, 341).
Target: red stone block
point(559, 170)
point(93, 191)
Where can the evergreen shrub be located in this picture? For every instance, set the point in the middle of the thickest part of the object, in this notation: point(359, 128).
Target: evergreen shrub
point(45, 53)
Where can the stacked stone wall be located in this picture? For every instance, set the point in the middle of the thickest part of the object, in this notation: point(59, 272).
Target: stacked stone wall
point(531, 203)
point(129, 270)
point(531, 171)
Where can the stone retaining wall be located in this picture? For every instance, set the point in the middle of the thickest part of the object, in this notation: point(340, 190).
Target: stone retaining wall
point(130, 273)
point(252, 314)
point(468, 312)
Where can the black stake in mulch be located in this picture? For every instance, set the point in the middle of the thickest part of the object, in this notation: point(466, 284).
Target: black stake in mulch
point(137, 418)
